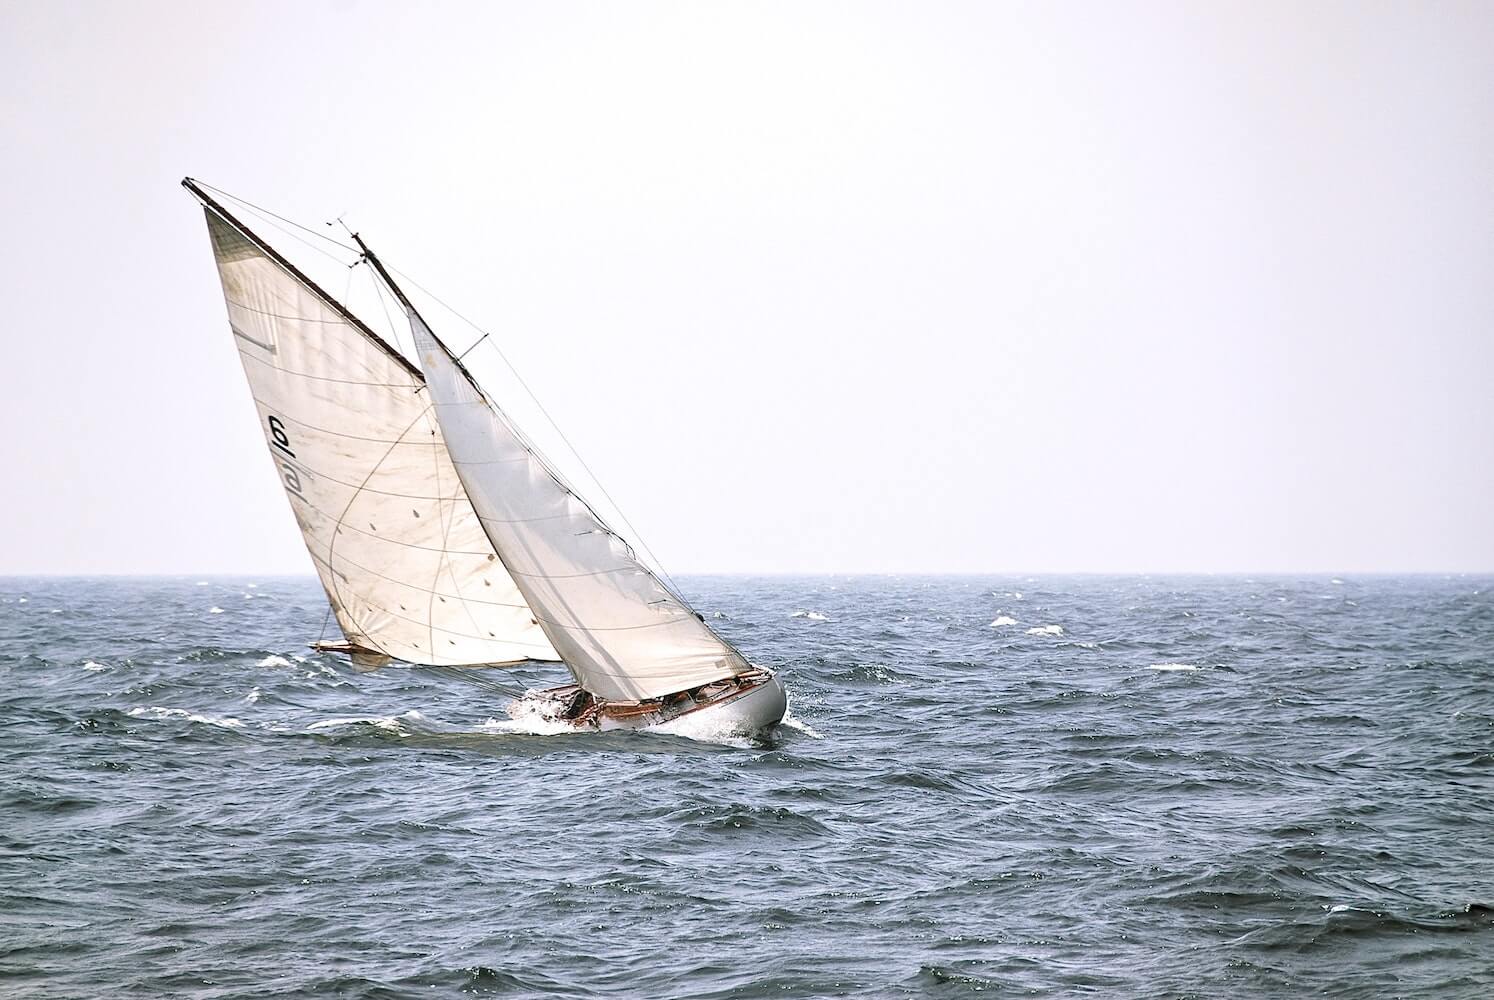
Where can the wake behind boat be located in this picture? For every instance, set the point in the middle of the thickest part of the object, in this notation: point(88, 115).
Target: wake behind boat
point(440, 533)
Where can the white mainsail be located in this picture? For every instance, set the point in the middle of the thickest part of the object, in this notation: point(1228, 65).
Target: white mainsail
point(625, 636)
point(406, 564)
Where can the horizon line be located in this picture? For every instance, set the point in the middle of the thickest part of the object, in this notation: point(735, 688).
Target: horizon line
point(308, 574)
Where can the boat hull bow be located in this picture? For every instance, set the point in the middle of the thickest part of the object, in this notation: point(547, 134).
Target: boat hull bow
point(755, 710)
point(735, 706)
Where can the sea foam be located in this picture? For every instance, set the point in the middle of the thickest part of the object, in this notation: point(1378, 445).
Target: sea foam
point(156, 712)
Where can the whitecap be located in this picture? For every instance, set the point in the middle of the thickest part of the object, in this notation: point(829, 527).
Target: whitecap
point(532, 715)
point(388, 723)
point(790, 722)
point(274, 661)
point(94, 666)
point(1336, 582)
point(252, 586)
point(813, 616)
point(253, 696)
point(1003, 620)
point(215, 610)
point(155, 712)
point(703, 727)
point(21, 600)
point(202, 583)
point(1046, 630)
point(1171, 666)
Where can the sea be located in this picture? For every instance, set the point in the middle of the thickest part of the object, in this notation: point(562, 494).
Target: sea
point(1023, 786)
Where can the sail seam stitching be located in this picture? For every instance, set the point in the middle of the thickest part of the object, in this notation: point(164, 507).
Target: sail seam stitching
point(415, 621)
point(326, 378)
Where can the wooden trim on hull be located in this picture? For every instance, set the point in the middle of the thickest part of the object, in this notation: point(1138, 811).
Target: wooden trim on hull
point(361, 656)
point(578, 708)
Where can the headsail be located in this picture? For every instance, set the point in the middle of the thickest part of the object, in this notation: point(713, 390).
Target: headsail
point(406, 564)
point(624, 635)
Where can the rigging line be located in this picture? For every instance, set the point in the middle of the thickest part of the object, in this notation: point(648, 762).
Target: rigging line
point(504, 606)
point(448, 518)
point(596, 480)
point(473, 347)
point(322, 378)
point(368, 602)
point(348, 285)
point(658, 564)
point(288, 222)
point(468, 676)
point(393, 330)
point(332, 542)
point(267, 219)
point(430, 615)
point(622, 516)
point(325, 618)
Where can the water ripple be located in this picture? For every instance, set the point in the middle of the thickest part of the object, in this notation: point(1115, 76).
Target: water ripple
point(1199, 787)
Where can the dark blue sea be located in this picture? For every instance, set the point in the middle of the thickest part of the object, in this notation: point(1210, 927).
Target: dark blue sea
point(1124, 787)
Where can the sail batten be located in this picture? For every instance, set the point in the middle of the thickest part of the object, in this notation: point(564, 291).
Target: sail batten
point(359, 451)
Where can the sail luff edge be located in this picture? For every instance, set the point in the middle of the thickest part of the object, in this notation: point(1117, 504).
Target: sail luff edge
point(217, 209)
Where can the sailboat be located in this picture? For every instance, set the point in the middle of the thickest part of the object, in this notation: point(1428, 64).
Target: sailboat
point(441, 534)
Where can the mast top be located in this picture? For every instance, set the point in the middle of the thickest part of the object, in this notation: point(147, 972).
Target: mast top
point(378, 265)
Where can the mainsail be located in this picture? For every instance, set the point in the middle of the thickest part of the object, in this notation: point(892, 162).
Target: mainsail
point(625, 636)
point(406, 564)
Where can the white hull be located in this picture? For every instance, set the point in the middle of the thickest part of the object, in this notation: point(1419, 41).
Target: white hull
point(757, 709)
point(757, 703)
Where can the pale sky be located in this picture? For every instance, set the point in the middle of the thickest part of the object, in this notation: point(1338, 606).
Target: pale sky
point(812, 287)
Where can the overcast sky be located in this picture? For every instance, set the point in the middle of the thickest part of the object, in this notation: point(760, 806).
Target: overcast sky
point(812, 287)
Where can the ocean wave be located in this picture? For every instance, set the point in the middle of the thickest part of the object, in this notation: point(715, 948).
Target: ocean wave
point(531, 715)
point(790, 721)
point(868, 673)
point(400, 725)
point(157, 712)
point(735, 816)
point(1013, 816)
point(704, 727)
point(1046, 630)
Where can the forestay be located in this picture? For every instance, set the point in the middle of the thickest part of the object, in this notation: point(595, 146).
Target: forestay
point(625, 636)
point(405, 562)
